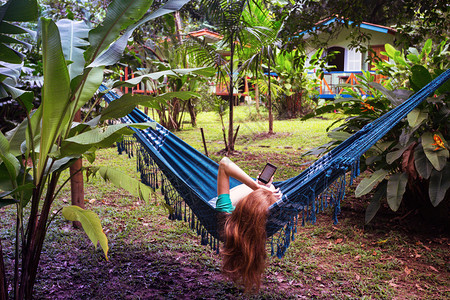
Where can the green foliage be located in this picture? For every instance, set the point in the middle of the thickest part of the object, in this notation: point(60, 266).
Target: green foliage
point(48, 141)
point(296, 85)
point(413, 158)
point(91, 225)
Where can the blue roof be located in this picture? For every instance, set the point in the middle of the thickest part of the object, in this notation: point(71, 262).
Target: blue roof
point(368, 26)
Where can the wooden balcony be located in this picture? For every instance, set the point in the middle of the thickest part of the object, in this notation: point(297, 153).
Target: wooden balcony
point(332, 83)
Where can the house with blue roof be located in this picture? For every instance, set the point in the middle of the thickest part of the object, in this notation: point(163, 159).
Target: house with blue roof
point(349, 61)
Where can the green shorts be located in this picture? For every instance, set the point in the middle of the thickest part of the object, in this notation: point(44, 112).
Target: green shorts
point(223, 203)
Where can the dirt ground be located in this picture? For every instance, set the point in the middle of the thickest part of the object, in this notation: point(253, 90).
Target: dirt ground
point(135, 271)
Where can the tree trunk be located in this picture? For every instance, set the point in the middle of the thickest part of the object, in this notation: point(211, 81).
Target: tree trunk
point(76, 179)
point(257, 93)
point(178, 26)
point(76, 187)
point(270, 103)
point(230, 121)
point(191, 109)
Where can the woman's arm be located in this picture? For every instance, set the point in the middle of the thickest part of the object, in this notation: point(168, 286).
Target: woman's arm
point(228, 169)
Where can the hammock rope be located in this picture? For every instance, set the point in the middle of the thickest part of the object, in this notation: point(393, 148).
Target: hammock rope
point(187, 178)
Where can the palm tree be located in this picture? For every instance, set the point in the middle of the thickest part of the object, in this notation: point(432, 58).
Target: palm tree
point(241, 30)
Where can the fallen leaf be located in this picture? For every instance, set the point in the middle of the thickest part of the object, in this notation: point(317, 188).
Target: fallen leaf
point(427, 248)
point(433, 268)
point(391, 283)
point(407, 270)
point(382, 241)
point(418, 287)
point(357, 257)
point(92, 201)
point(338, 241)
point(318, 278)
point(358, 277)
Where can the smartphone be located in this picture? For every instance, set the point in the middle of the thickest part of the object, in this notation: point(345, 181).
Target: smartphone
point(267, 173)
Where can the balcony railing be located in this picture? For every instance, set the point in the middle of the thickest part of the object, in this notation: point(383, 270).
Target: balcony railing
point(332, 83)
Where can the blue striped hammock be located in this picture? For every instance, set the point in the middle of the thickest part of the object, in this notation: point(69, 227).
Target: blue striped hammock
point(188, 179)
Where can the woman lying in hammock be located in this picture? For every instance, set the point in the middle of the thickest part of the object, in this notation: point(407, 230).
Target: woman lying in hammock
point(244, 234)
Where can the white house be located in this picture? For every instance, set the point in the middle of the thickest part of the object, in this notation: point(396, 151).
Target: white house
point(348, 61)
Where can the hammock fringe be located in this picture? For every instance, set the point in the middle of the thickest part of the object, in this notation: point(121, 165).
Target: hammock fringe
point(150, 172)
point(179, 210)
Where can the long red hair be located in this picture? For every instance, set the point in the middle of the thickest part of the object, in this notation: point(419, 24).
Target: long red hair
point(244, 234)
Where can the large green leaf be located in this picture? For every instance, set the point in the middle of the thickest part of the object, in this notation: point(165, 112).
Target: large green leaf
point(436, 155)
point(338, 135)
point(394, 155)
point(60, 164)
point(119, 179)
point(8, 28)
point(420, 76)
point(444, 88)
point(439, 184)
point(390, 50)
point(426, 50)
point(26, 186)
point(421, 162)
point(7, 201)
point(389, 94)
point(91, 225)
point(120, 15)
point(9, 55)
point(9, 40)
point(26, 98)
point(416, 117)
point(10, 161)
point(16, 137)
point(55, 93)
point(78, 128)
point(367, 184)
point(97, 138)
point(23, 192)
point(375, 202)
point(88, 88)
point(19, 11)
point(396, 187)
point(123, 106)
point(204, 71)
point(33, 132)
point(114, 52)
point(73, 39)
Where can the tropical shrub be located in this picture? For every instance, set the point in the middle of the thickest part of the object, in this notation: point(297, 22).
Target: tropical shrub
point(411, 163)
point(34, 154)
point(297, 86)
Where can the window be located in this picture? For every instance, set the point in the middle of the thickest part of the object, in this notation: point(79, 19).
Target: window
point(338, 60)
point(353, 60)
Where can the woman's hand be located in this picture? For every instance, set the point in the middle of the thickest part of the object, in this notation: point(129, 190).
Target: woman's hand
point(269, 184)
point(270, 187)
point(276, 192)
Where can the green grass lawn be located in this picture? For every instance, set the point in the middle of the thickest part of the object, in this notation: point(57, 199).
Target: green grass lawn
point(153, 257)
